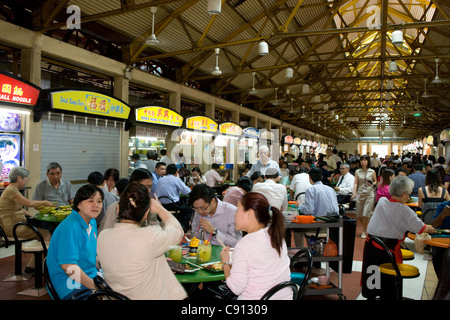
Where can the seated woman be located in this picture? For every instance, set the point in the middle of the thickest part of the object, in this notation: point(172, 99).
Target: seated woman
point(132, 256)
point(111, 176)
point(383, 189)
point(260, 259)
point(71, 257)
point(234, 194)
point(430, 196)
point(196, 177)
point(390, 221)
point(12, 211)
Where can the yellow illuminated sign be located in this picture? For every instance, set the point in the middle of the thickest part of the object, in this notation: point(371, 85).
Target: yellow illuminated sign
point(90, 102)
point(201, 123)
point(159, 115)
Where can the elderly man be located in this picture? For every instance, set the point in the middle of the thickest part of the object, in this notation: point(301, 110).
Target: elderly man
point(264, 162)
point(344, 186)
point(319, 198)
point(54, 188)
point(213, 216)
point(275, 193)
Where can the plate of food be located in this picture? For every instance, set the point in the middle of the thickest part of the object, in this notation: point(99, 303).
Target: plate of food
point(213, 266)
point(190, 268)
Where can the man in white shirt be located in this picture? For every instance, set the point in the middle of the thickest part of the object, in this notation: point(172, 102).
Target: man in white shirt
point(345, 184)
point(274, 192)
point(213, 177)
point(375, 163)
point(264, 162)
point(164, 157)
point(299, 184)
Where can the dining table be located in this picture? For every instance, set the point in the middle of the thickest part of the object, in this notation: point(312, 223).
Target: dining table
point(438, 240)
point(46, 221)
point(191, 280)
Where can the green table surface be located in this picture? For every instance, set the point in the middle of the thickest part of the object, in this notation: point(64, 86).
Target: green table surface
point(201, 275)
point(47, 218)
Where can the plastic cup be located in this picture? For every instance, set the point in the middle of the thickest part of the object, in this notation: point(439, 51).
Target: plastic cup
point(176, 253)
point(204, 252)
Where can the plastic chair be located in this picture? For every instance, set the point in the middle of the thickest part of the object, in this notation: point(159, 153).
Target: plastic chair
point(175, 212)
point(299, 278)
point(394, 269)
point(107, 295)
point(48, 283)
point(39, 249)
point(101, 283)
point(278, 287)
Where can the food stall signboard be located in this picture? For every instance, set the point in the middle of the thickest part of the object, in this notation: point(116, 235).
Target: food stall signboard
point(430, 139)
point(288, 139)
point(14, 91)
point(89, 102)
point(297, 141)
point(201, 123)
point(230, 128)
point(159, 115)
point(251, 132)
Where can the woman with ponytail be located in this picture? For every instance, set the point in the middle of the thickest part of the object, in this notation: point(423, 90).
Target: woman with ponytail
point(132, 255)
point(260, 259)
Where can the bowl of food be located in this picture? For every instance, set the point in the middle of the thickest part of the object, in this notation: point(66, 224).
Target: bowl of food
point(303, 219)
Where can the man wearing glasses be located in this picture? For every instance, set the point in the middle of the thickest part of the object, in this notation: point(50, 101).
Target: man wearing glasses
point(213, 216)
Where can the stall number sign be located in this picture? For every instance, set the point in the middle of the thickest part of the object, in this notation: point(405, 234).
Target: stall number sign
point(90, 102)
point(15, 91)
point(159, 115)
point(201, 123)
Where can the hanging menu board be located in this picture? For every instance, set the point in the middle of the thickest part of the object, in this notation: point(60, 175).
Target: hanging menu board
point(90, 103)
point(159, 115)
point(251, 132)
point(15, 91)
point(201, 123)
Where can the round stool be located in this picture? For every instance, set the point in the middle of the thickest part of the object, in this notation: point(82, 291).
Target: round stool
point(406, 270)
point(407, 254)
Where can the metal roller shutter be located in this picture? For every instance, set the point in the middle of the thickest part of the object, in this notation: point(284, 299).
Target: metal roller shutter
point(79, 148)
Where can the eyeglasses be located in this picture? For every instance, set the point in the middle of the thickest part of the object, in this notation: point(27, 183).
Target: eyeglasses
point(201, 209)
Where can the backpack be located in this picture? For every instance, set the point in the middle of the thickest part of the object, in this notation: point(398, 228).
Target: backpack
point(429, 208)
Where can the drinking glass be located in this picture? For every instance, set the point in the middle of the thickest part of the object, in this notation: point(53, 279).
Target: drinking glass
point(204, 252)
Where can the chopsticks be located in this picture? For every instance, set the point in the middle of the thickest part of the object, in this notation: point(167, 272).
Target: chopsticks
point(221, 242)
point(195, 265)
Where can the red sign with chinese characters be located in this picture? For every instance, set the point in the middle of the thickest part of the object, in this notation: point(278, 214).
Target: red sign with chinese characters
point(15, 91)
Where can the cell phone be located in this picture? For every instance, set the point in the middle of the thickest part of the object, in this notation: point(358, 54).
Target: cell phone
point(369, 181)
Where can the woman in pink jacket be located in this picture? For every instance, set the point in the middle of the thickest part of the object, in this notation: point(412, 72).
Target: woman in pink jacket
point(383, 189)
point(260, 259)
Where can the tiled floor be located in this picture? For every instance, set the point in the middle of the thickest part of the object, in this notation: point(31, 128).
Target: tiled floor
point(425, 285)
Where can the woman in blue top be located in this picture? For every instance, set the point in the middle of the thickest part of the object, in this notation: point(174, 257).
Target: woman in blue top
point(71, 258)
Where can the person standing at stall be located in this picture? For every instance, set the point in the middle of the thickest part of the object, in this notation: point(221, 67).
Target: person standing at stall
point(264, 162)
point(55, 188)
point(164, 157)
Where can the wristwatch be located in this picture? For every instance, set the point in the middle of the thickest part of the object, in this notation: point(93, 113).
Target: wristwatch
point(214, 233)
point(226, 262)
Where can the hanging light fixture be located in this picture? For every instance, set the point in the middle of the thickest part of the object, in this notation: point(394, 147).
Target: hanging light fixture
point(397, 38)
point(217, 71)
point(152, 40)
point(289, 72)
point(390, 84)
point(253, 91)
point(392, 66)
point(214, 6)
point(437, 80)
point(305, 88)
point(263, 48)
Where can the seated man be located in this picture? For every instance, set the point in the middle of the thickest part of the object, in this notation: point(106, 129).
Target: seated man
point(54, 188)
point(97, 179)
point(171, 186)
point(213, 177)
point(319, 198)
point(275, 193)
point(344, 186)
point(215, 217)
point(158, 173)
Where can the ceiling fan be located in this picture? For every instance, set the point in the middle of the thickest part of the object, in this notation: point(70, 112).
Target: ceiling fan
point(152, 39)
point(253, 90)
point(425, 93)
point(437, 80)
point(276, 102)
point(292, 111)
point(303, 116)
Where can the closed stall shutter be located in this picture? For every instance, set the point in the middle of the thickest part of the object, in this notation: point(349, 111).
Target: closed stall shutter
point(79, 148)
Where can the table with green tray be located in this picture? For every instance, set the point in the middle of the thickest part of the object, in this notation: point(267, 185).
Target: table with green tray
point(202, 275)
point(46, 221)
